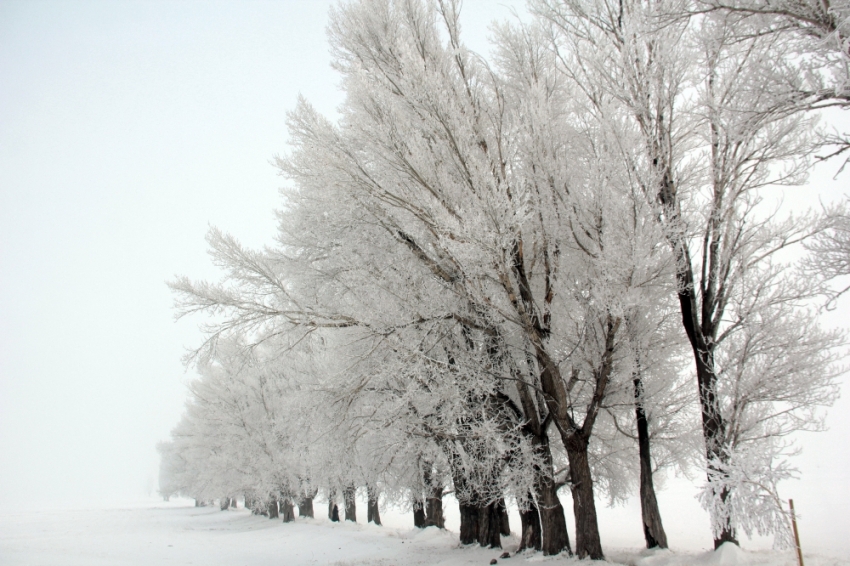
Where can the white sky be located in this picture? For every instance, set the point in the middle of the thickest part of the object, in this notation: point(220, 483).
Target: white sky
point(126, 129)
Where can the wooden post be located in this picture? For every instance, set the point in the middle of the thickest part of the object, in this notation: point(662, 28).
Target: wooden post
point(796, 533)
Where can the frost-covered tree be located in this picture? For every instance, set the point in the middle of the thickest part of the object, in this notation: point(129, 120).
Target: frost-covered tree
point(488, 275)
point(715, 130)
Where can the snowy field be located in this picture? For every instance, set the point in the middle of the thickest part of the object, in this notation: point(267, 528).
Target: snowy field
point(176, 533)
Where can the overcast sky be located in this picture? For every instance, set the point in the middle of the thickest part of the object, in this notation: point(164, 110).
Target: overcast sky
point(126, 130)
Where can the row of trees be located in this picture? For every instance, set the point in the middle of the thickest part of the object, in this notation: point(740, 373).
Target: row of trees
point(502, 277)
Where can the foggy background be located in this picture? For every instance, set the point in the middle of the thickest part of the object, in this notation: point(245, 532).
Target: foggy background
point(127, 129)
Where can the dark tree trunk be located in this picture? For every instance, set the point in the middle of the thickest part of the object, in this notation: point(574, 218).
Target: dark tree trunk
point(350, 504)
point(653, 530)
point(333, 510)
point(700, 308)
point(233, 503)
point(504, 520)
point(287, 510)
point(490, 525)
point(575, 437)
point(468, 523)
point(530, 524)
point(273, 514)
point(588, 544)
point(224, 503)
point(305, 506)
point(553, 524)
point(713, 425)
point(418, 514)
point(434, 509)
point(373, 514)
point(197, 503)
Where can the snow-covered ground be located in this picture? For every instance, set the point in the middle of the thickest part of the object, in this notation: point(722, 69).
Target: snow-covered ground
point(177, 533)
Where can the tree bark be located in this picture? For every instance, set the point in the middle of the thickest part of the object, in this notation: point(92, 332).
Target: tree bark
point(504, 520)
point(350, 504)
point(434, 509)
point(490, 525)
point(468, 523)
point(305, 506)
point(419, 515)
point(529, 519)
point(373, 514)
point(273, 514)
point(224, 503)
point(287, 510)
point(653, 530)
point(553, 524)
point(588, 544)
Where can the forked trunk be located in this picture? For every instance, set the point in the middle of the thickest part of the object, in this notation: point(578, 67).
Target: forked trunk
point(372, 512)
point(653, 530)
point(350, 504)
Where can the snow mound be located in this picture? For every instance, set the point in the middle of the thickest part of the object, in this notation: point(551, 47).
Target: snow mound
point(729, 554)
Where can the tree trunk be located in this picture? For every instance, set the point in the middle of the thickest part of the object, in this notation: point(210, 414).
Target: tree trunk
point(333, 510)
point(468, 523)
point(249, 502)
point(350, 504)
point(575, 442)
point(434, 509)
point(504, 520)
point(553, 524)
point(653, 530)
point(305, 506)
point(273, 514)
point(373, 514)
point(588, 544)
point(530, 524)
point(713, 429)
point(287, 510)
point(197, 503)
point(490, 525)
point(224, 503)
point(233, 503)
point(418, 514)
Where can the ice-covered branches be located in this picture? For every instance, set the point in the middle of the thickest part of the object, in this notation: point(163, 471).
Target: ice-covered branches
point(500, 276)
